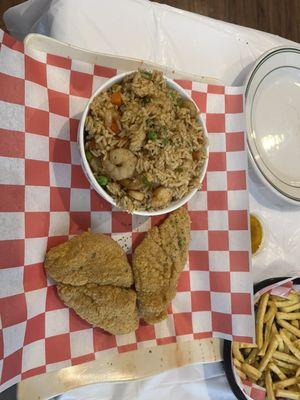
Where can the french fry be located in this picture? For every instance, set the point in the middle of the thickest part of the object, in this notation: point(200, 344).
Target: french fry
point(251, 371)
point(286, 357)
point(281, 375)
point(291, 308)
point(293, 349)
point(247, 345)
point(282, 364)
point(288, 316)
point(241, 374)
point(236, 352)
point(287, 303)
point(267, 336)
point(269, 386)
point(260, 319)
point(271, 311)
point(289, 327)
point(270, 351)
point(288, 394)
point(250, 359)
point(279, 338)
point(237, 363)
point(295, 322)
point(287, 382)
point(297, 343)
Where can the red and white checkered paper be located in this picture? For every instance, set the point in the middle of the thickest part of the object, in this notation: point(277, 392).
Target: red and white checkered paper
point(45, 198)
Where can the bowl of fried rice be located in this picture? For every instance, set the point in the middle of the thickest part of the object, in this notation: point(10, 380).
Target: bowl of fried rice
point(143, 143)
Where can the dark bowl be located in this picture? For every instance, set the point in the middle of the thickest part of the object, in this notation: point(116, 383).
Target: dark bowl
point(227, 344)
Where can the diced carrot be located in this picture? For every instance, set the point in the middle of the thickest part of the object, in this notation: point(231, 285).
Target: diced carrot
point(114, 127)
point(116, 99)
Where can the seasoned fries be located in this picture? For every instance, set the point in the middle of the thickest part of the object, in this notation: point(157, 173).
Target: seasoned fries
point(274, 362)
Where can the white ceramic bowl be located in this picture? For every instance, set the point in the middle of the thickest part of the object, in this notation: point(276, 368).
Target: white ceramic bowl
point(87, 169)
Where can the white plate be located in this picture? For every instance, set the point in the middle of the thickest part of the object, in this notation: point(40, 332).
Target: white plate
point(272, 108)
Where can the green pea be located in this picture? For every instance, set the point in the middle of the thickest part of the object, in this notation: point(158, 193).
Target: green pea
point(146, 74)
point(151, 135)
point(166, 141)
point(102, 180)
point(180, 242)
point(88, 155)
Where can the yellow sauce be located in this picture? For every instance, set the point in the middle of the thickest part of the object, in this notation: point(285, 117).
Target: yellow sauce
point(256, 233)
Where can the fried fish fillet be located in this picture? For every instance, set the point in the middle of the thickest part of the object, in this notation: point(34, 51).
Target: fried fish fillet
point(157, 263)
point(89, 258)
point(109, 307)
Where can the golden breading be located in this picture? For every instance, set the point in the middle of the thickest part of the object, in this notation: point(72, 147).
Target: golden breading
point(109, 307)
point(89, 258)
point(157, 262)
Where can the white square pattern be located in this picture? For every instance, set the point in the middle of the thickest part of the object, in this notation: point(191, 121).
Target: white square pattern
point(59, 223)
point(11, 62)
point(35, 302)
point(60, 174)
point(37, 198)
point(57, 322)
point(215, 103)
point(81, 342)
point(36, 147)
point(221, 302)
point(101, 221)
point(199, 280)
point(182, 302)
point(35, 250)
point(77, 105)
point(59, 127)
point(15, 278)
point(58, 79)
point(12, 171)
point(38, 349)
point(235, 161)
point(36, 96)
point(80, 200)
point(216, 180)
point(219, 261)
point(13, 338)
point(201, 321)
point(218, 220)
point(199, 240)
point(165, 328)
point(12, 225)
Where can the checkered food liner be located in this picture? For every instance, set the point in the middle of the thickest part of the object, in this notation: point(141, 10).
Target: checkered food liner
point(282, 289)
point(45, 198)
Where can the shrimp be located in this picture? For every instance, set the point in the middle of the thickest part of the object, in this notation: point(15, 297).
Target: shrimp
point(120, 164)
point(161, 196)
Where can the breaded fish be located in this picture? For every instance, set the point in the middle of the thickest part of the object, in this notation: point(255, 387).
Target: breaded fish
point(89, 258)
point(157, 263)
point(109, 307)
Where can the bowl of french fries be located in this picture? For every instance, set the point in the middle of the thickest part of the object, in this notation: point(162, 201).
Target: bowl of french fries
point(272, 364)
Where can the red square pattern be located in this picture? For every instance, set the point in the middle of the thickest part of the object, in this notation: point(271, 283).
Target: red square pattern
point(12, 253)
point(37, 173)
point(218, 240)
point(184, 84)
point(121, 222)
point(198, 220)
point(215, 89)
point(60, 199)
point(74, 124)
point(202, 335)
point(16, 303)
point(53, 302)
point(217, 161)
point(257, 394)
point(36, 121)
point(239, 261)
point(220, 282)
point(137, 238)
point(243, 339)
point(200, 99)
point(241, 303)
point(55, 241)
point(35, 329)
point(83, 359)
point(215, 123)
point(35, 71)
point(103, 340)
point(12, 144)
point(12, 43)
point(238, 220)
point(81, 84)
point(57, 348)
point(12, 89)
point(145, 332)
point(58, 61)
point(158, 219)
point(235, 141)
point(98, 203)
point(76, 323)
point(79, 222)
point(58, 103)
point(33, 372)
point(37, 224)
point(217, 200)
point(233, 103)
point(34, 277)
point(221, 322)
point(166, 340)
point(105, 72)
point(12, 366)
point(198, 260)
point(183, 323)
point(59, 150)
point(127, 347)
point(201, 301)
point(236, 180)
point(12, 198)
point(78, 178)
point(184, 284)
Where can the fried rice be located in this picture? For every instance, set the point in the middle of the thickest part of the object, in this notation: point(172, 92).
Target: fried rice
point(144, 142)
